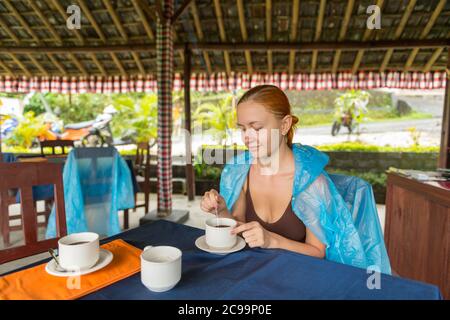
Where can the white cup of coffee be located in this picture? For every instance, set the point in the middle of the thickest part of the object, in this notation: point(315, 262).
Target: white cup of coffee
point(78, 251)
point(218, 233)
point(160, 267)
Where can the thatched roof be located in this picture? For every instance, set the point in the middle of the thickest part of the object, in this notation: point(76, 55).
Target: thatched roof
point(117, 37)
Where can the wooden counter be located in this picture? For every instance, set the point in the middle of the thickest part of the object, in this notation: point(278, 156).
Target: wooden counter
point(417, 231)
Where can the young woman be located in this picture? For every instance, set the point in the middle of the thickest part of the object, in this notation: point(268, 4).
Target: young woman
point(281, 195)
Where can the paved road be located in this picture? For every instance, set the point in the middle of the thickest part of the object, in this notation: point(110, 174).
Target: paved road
point(432, 126)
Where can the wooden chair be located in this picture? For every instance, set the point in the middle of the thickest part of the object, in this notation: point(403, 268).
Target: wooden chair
point(53, 144)
point(22, 177)
point(141, 171)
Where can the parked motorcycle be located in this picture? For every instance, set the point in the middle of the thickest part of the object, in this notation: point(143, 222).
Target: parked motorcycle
point(94, 133)
point(346, 120)
point(7, 127)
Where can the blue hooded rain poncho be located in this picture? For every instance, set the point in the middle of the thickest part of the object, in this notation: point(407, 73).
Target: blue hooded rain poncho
point(339, 210)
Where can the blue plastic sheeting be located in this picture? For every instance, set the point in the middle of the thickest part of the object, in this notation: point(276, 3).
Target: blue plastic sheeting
point(339, 210)
point(97, 184)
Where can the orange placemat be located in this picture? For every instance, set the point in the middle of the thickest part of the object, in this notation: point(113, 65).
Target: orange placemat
point(36, 284)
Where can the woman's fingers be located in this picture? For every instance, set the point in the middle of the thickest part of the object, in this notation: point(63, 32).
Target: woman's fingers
point(206, 203)
point(253, 244)
point(243, 227)
point(249, 234)
point(213, 198)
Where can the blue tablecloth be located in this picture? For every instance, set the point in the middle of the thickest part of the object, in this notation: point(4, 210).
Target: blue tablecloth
point(254, 274)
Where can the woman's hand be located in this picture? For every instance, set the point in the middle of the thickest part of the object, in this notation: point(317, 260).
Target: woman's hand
point(212, 200)
point(255, 235)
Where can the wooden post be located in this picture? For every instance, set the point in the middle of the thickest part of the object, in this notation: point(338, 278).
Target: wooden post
point(444, 155)
point(190, 177)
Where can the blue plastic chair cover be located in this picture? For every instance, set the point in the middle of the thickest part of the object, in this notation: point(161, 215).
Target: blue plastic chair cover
point(358, 195)
point(97, 184)
point(343, 216)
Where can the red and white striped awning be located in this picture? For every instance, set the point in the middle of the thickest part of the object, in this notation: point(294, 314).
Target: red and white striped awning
point(220, 82)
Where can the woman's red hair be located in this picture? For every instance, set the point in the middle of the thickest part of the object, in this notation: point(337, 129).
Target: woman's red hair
point(275, 101)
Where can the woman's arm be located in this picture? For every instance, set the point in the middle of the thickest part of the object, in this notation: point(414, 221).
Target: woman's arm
point(256, 236)
point(312, 246)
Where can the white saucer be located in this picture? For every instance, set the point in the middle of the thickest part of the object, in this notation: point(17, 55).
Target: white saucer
point(201, 244)
point(105, 257)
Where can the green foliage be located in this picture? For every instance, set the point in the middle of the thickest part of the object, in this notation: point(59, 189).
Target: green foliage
point(354, 102)
point(28, 129)
point(34, 104)
point(205, 171)
point(415, 136)
point(374, 178)
point(363, 147)
point(77, 107)
point(217, 118)
point(137, 113)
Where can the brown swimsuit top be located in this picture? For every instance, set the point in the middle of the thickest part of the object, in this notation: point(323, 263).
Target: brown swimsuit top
point(288, 226)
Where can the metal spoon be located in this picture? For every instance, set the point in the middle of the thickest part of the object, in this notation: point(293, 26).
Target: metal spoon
point(52, 253)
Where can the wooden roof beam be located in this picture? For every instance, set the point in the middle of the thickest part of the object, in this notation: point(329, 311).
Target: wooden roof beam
point(222, 34)
point(398, 33)
point(180, 10)
point(100, 33)
point(436, 54)
point(118, 64)
point(200, 36)
point(342, 32)
point(120, 27)
point(98, 64)
point(116, 20)
point(138, 62)
point(248, 57)
point(44, 19)
point(78, 64)
point(63, 13)
point(58, 65)
point(55, 35)
point(425, 31)
point(269, 34)
point(293, 34)
point(319, 26)
point(21, 65)
point(143, 18)
point(8, 30)
point(27, 27)
point(238, 47)
point(38, 65)
point(80, 38)
point(7, 69)
point(22, 21)
point(366, 37)
point(92, 21)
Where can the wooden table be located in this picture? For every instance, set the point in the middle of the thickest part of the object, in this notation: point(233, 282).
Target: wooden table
point(417, 232)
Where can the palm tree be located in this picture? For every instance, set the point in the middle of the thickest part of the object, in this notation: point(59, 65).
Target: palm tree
point(219, 118)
